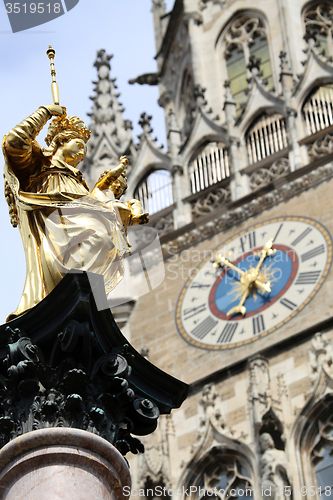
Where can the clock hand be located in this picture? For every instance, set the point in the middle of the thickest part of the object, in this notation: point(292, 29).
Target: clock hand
point(240, 308)
point(220, 259)
point(265, 252)
point(265, 287)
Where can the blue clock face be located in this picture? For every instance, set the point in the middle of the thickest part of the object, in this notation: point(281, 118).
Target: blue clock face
point(267, 274)
point(279, 269)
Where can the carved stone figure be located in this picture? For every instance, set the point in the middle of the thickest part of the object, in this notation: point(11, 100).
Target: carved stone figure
point(273, 470)
point(260, 390)
point(321, 355)
point(64, 226)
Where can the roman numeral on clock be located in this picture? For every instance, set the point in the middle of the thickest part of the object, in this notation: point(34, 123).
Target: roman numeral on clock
point(192, 311)
point(258, 324)
point(251, 238)
point(309, 278)
point(313, 253)
point(288, 303)
point(195, 284)
point(301, 236)
point(201, 330)
point(227, 333)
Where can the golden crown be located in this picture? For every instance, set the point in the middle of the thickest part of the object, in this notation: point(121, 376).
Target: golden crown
point(65, 123)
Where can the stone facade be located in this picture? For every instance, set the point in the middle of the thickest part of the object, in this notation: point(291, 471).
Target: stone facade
point(247, 90)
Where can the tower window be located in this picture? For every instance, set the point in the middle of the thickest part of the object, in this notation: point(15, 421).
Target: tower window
point(322, 457)
point(318, 109)
point(155, 191)
point(209, 166)
point(318, 21)
point(225, 476)
point(265, 137)
point(246, 37)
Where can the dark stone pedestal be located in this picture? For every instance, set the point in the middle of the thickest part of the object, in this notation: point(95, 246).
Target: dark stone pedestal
point(66, 364)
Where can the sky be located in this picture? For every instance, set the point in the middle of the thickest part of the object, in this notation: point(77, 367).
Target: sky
point(123, 28)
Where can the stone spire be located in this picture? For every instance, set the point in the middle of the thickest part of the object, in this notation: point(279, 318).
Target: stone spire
point(111, 135)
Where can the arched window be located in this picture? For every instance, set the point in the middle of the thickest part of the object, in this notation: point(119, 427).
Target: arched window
point(266, 136)
point(224, 475)
point(155, 191)
point(318, 109)
point(209, 166)
point(318, 22)
point(246, 37)
point(322, 456)
point(316, 448)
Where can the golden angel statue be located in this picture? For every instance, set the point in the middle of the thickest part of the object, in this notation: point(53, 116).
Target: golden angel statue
point(64, 226)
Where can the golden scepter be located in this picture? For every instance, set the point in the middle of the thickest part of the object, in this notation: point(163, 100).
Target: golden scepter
point(54, 86)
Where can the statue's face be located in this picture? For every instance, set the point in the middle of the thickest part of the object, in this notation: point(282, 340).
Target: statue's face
point(73, 151)
point(266, 442)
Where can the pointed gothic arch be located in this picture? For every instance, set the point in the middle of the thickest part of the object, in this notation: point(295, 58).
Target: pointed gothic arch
point(314, 437)
point(273, 426)
point(245, 38)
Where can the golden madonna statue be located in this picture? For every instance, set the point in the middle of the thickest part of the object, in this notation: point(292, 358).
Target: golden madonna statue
point(64, 226)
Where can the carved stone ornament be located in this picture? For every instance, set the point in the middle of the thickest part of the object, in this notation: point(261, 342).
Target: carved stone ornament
point(146, 79)
point(164, 99)
point(323, 442)
point(318, 22)
point(208, 396)
point(235, 214)
point(264, 176)
point(203, 3)
point(165, 224)
point(66, 364)
point(322, 146)
point(241, 33)
point(177, 170)
point(144, 122)
point(158, 4)
point(194, 16)
point(259, 391)
point(209, 202)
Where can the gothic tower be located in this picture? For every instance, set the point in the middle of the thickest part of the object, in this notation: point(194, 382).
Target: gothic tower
point(242, 205)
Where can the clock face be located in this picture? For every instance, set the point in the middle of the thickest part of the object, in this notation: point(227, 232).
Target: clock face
point(266, 275)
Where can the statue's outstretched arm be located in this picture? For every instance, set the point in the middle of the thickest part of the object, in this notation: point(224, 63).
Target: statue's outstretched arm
point(112, 175)
point(18, 142)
